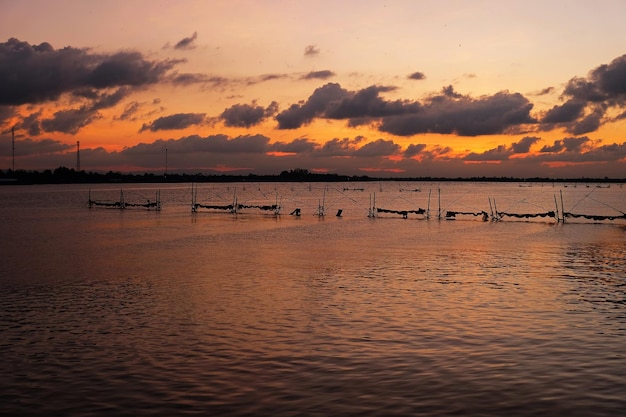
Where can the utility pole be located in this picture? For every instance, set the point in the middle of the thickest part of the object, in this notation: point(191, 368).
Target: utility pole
point(165, 162)
point(77, 156)
point(13, 148)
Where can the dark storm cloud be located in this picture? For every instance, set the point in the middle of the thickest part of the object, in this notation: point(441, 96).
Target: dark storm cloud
point(25, 147)
point(127, 69)
point(605, 83)
point(87, 93)
point(72, 120)
point(451, 112)
point(414, 149)
point(187, 43)
point(222, 144)
point(6, 112)
point(333, 102)
point(581, 150)
point(501, 153)
point(300, 114)
point(318, 75)
point(311, 50)
point(37, 73)
point(300, 145)
point(567, 112)
point(367, 103)
point(523, 146)
point(612, 152)
point(174, 122)
point(589, 123)
point(566, 145)
point(446, 113)
point(130, 110)
point(31, 124)
point(417, 76)
point(377, 148)
point(590, 97)
point(260, 145)
point(106, 100)
point(338, 147)
point(247, 115)
point(255, 144)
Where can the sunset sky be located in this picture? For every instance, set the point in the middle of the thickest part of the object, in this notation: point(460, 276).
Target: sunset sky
point(380, 88)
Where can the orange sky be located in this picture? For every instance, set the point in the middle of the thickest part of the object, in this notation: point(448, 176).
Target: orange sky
point(404, 88)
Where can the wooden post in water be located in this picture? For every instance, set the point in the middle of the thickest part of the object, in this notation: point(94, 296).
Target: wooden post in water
point(556, 206)
point(562, 206)
point(193, 200)
point(439, 203)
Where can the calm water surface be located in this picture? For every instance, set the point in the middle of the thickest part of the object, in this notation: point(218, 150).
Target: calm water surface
point(140, 313)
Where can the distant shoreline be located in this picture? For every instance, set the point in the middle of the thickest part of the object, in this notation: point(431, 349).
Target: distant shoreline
point(64, 175)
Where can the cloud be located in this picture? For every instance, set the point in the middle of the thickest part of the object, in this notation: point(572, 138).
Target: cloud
point(174, 122)
point(318, 75)
point(130, 110)
point(190, 79)
point(127, 69)
point(543, 92)
point(39, 73)
point(72, 120)
point(523, 146)
point(255, 144)
point(6, 113)
point(567, 112)
point(503, 152)
point(452, 113)
point(331, 101)
point(583, 150)
point(261, 79)
point(605, 83)
point(31, 124)
point(300, 145)
point(377, 148)
point(589, 123)
point(256, 154)
point(414, 149)
point(311, 50)
point(339, 147)
point(187, 43)
point(589, 98)
point(367, 103)
point(446, 113)
point(29, 147)
point(417, 76)
point(570, 144)
point(297, 115)
point(247, 115)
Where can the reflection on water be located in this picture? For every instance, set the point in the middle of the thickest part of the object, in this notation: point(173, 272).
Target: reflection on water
point(144, 313)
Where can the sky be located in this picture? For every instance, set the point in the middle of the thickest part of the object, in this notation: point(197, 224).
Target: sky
point(444, 88)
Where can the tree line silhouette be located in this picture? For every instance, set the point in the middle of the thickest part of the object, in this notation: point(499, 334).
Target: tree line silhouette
point(64, 175)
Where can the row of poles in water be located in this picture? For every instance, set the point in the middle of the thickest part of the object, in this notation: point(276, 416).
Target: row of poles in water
point(373, 211)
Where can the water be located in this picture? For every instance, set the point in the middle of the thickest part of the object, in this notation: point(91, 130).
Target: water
point(140, 313)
